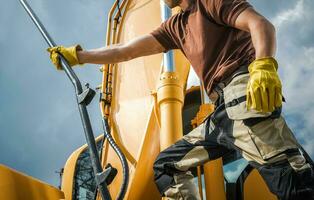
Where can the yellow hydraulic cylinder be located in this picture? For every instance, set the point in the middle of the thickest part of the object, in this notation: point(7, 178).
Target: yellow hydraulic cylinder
point(170, 100)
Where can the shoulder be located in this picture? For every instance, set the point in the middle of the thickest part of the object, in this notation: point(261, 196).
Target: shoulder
point(225, 12)
point(174, 18)
point(173, 24)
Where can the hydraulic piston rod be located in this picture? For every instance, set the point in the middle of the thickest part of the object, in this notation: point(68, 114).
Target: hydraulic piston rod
point(98, 171)
point(167, 57)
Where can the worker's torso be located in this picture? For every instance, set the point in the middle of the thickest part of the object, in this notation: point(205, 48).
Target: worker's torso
point(214, 50)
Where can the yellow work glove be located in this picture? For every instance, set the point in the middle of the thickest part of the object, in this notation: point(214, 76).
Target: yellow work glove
point(264, 86)
point(69, 53)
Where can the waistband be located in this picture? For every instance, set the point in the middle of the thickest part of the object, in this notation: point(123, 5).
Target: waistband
point(241, 70)
point(217, 92)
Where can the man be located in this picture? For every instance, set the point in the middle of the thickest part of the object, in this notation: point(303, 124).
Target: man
point(232, 49)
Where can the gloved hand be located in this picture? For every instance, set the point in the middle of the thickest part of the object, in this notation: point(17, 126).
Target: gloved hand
point(69, 53)
point(264, 86)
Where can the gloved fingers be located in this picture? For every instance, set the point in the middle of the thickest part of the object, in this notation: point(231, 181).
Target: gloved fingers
point(264, 99)
point(50, 49)
point(53, 49)
point(278, 97)
point(257, 98)
point(70, 54)
point(54, 56)
point(271, 96)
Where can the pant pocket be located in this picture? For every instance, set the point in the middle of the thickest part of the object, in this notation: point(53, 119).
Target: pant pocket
point(235, 100)
point(272, 137)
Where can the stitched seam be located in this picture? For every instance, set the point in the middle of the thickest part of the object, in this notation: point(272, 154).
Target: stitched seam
point(255, 145)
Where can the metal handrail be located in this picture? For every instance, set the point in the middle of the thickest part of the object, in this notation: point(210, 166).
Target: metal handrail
point(98, 171)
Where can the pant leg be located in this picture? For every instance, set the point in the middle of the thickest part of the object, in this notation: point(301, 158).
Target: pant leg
point(286, 182)
point(286, 171)
point(184, 189)
point(265, 143)
point(272, 148)
point(171, 168)
point(266, 139)
point(209, 141)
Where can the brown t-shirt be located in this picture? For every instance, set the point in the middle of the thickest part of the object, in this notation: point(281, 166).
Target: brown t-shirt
point(205, 34)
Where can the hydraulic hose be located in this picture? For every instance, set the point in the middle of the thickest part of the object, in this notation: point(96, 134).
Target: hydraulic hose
point(125, 166)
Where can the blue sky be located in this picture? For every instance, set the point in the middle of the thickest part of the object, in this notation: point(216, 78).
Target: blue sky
point(39, 120)
point(40, 124)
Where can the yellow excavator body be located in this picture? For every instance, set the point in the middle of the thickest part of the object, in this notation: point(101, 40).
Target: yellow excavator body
point(18, 186)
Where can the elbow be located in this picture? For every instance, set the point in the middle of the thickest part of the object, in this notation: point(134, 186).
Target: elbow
point(264, 38)
point(269, 27)
point(265, 26)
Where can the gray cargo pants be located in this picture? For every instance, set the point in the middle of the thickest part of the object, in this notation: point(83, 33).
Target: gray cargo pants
point(264, 139)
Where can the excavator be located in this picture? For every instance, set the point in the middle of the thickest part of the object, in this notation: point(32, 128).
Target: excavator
point(146, 105)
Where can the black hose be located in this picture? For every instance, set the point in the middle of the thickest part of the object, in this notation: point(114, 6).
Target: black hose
point(121, 156)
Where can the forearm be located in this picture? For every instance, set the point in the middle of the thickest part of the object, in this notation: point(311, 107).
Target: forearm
point(104, 55)
point(263, 36)
point(141, 46)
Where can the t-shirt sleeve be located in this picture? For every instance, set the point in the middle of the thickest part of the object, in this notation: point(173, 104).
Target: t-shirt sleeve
point(166, 34)
point(225, 12)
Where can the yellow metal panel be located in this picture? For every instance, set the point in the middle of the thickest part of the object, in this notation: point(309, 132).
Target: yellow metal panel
point(256, 188)
point(142, 185)
point(17, 186)
point(132, 101)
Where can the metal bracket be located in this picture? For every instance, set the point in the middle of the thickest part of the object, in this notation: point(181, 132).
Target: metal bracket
point(107, 175)
point(86, 96)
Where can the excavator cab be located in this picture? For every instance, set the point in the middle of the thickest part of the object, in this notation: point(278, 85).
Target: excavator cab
point(145, 108)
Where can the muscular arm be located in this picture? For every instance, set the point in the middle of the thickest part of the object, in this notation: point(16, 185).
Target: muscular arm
point(140, 46)
point(262, 32)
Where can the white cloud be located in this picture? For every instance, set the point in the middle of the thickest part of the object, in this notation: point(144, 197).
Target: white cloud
point(289, 15)
point(296, 60)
